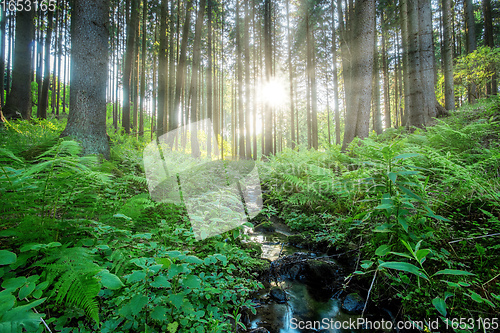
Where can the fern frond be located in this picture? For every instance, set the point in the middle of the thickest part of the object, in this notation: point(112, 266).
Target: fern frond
point(72, 272)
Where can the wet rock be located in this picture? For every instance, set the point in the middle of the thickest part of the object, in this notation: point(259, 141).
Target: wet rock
point(278, 294)
point(265, 227)
point(298, 241)
point(259, 330)
point(353, 304)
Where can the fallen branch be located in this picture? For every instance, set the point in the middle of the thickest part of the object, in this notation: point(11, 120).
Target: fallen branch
point(459, 240)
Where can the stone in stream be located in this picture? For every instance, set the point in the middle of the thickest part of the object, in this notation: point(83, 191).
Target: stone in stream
point(259, 330)
point(353, 304)
point(279, 295)
point(265, 227)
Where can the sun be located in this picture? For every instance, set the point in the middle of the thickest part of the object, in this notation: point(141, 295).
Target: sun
point(274, 93)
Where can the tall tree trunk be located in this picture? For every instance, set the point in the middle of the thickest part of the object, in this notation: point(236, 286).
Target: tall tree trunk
point(358, 116)
point(241, 111)
point(431, 106)
point(143, 65)
point(471, 43)
point(492, 87)
point(449, 90)
point(195, 145)
point(129, 58)
point(335, 78)
point(3, 22)
point(162, 70)
point(18, 104)
point(268, 115)
point(173, 121)
point(210, 83)
point(377, 121)
point(290, 77)
point(385, 69)
point(416, 110)
point(403, 16)
point(89, 60)
point(248, 98)
point(43, 101)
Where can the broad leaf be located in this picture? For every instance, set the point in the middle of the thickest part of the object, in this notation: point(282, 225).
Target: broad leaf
point(440, 305)
point(7, 257)
point(404, 266)
point(453, 272)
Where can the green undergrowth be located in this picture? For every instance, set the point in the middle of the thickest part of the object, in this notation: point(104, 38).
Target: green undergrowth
point(83, 248)
point(422, 209)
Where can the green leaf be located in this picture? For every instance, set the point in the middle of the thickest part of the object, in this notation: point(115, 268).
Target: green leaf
point(109, 280)
point(404, 266)
point(159, 313)
point(134, 306)
point(193, 260)
point(136, 276)
point(408, 246)
point(382, 250)
point(421, 254)
point(26, 290)
point(165, 262)
point(392, 176)
point(403, 223)
point(452, 272)
point(161, 281)
point(192, 281)
point(122, 216)
point(7, 257)
point(408, 155)
point(176, 299)
point(476, 297)
point(440, 305)
point(14, 283)
point(386, 227)
point(366, 264)
point(404, 255)
point(172, 327)
point(7, 302)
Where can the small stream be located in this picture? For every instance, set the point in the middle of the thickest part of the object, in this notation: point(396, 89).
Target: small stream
point(301, 293)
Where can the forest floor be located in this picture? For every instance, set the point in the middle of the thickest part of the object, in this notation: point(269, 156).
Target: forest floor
point(412, 219)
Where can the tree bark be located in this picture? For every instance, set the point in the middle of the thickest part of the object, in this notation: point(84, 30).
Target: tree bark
point(18, 104)
point(89, 63)
point(492, 87)
point(358, 116)
point(195, 145)
point(43, 101)
point(449, 90)
point(471, 43)
point(129, 58)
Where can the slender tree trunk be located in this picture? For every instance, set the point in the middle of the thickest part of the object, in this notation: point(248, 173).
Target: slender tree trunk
point(492, 87)
point(3, 22)
point(248, 97)
point(268, 115)
point(335, 78)
point(377, 121)
point(241, 111)
point(471, 43)
point(173, 121)
point(18, 104)
point(195, 146)
point(143, 65)
point(385, 69)
point(43, 101)
point(210, 83)
point(129, 58)
point(449, 90)
point(403, 15)
point(290, 73)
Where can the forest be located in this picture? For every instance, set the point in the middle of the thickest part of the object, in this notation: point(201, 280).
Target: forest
point(254, 166)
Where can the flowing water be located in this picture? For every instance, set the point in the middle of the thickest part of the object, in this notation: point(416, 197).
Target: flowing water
point(306, 309)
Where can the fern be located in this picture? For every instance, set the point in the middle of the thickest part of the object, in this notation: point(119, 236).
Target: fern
point(72, 272)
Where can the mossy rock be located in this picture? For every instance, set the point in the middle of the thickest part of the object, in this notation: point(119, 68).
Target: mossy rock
point(298, 241)
point(265, 227)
